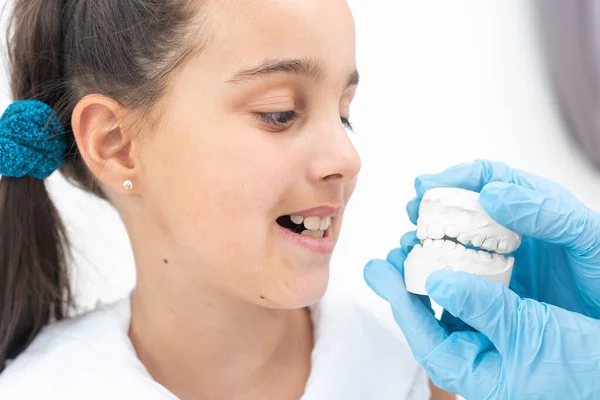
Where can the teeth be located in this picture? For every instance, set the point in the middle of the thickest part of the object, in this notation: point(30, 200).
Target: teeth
point(463, 238)
point(316, 223)
point(312, 223)
point(484, 254)
point(449, 246)
point(490, 244)
point(435, 231)
point(477, 240)
point(297, 219)
point(503, 244)
point(451, 231)
point(438, 244)
point(428, 243)
point(460, 248)
point(315, 234)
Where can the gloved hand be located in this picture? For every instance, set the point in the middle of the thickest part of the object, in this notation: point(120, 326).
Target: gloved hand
point(523, 349)
point(559, 259)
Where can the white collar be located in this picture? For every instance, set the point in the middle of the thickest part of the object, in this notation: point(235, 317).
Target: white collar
point(355, 357)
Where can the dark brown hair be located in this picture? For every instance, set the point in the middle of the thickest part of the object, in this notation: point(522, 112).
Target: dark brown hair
point(60, 51)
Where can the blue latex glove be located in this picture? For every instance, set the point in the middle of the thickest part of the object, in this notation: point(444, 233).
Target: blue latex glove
point(523, 349)
point(559, 259)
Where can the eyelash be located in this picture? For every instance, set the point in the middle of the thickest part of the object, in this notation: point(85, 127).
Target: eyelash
point(282, 119)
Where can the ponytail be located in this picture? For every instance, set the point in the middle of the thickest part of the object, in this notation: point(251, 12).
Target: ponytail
point(60, 51)
point(34, 286)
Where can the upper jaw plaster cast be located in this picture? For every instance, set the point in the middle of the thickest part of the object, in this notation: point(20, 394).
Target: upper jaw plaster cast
point(450, 218)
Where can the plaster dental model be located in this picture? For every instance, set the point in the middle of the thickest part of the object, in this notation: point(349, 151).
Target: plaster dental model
point(449, 220)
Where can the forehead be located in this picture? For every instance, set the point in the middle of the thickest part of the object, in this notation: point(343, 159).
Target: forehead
point(247, 32)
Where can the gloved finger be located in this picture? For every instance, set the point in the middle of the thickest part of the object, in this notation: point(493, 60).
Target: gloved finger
point(488, 307)
point(412, 209)
point(542, 216)
point(408, 241)
point(474, 176)
point(452, 323)
point(396, 258)
point(421, 329)
point(466, 364)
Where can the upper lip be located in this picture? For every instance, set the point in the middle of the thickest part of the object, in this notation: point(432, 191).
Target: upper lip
point(322, 211)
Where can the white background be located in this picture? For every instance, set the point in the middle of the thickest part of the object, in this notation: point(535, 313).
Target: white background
point(443, 82)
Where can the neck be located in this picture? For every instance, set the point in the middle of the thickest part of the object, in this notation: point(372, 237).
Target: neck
point(202, 344)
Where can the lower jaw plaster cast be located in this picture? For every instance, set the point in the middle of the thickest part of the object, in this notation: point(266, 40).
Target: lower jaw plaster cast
point(449, 219)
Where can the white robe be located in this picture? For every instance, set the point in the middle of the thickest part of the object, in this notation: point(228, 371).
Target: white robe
point(91, 357)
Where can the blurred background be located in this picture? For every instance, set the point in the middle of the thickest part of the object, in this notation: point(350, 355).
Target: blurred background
point(443, 82)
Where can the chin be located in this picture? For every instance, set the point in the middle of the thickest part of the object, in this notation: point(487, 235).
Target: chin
point(303, 289)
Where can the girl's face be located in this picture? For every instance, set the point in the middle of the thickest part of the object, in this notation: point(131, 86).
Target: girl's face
point(255, 131)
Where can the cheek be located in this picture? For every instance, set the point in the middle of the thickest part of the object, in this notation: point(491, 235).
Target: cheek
point(216, 192)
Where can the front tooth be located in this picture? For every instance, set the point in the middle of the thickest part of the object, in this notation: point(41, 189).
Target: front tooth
point(325, 222)
point(315, 234)
point(449, 246)
point(438, 244)
point(490, 244)
point(297, 219)
point(312, 223)
point(435, 231)
point(421, 234)
point(451, 231)
point(463, 238)
point(428, 243)
point(477, 240)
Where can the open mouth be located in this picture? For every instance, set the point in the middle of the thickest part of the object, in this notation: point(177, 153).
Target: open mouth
point(306, 226)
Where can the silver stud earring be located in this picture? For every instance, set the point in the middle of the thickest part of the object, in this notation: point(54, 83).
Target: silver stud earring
point(128, 185)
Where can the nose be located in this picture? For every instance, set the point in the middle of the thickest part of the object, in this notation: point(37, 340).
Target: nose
point(335, 158)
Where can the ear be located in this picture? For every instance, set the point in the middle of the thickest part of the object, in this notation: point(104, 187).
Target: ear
point(103, 142)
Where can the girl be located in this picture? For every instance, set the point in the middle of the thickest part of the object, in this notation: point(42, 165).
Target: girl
point(218, 131)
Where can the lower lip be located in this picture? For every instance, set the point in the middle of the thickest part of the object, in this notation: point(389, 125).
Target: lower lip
point(323, 245)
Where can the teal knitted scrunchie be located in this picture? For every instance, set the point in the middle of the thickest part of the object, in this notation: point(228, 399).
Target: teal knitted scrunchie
point(32, 140)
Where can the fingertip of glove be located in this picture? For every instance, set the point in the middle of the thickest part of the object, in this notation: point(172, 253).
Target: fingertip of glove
point(382, 278)
point(374, 268)
point(412, 209)
point(396, 258)
point(493, 195)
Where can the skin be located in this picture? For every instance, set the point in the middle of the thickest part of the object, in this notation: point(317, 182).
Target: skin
point(210, 179)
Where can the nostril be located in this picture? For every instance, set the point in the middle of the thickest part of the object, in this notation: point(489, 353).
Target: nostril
point(332, 177)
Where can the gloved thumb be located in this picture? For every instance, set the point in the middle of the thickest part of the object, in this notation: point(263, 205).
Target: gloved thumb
point(543, 216)
point(488, 307)
point(414, 318)
point(467, 364)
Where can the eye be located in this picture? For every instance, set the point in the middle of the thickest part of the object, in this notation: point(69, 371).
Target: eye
point(347, 123)
point(278, 119)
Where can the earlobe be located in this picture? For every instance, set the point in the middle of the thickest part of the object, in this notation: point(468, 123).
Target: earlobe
point(102, 140)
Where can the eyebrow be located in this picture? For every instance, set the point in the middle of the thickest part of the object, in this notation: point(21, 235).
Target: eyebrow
point(300, 66)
